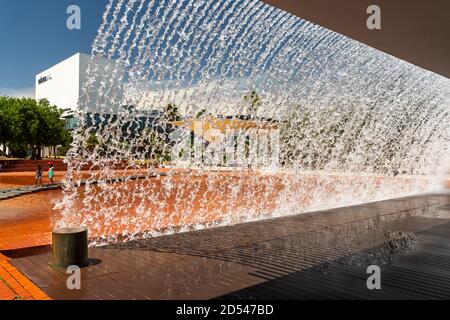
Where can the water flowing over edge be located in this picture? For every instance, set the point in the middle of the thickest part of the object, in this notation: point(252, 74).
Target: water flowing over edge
point(261, 113)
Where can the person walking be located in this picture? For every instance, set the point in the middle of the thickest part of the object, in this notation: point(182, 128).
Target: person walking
point(51, 172)
point(38, 176)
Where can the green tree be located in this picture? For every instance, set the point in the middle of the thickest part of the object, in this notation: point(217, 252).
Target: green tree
point(156, 144)
point(25, 127)
point(28, 124)
point(201, 113)
point(4, 123)
point(55, 132)
point(91, 142)
point(254, 102)
point(171, 113)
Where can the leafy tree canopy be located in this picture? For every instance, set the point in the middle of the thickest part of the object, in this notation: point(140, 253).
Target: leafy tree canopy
point(27, 124)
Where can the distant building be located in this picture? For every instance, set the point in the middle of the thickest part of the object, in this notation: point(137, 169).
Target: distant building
point(230, 141)
point(62, 84)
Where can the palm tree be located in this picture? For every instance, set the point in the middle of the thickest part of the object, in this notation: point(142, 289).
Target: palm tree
point(171, 113)
point(201, 113)
point(255, 101)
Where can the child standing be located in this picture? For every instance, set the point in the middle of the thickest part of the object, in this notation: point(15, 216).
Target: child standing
point(38, 176)
point(50, 172)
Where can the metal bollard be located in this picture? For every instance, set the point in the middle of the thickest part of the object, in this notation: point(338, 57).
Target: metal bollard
point(70, 247)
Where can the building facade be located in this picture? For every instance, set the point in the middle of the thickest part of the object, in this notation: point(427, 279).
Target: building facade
point(61, 84)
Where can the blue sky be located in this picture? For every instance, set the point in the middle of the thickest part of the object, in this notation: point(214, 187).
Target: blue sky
point(34, 36)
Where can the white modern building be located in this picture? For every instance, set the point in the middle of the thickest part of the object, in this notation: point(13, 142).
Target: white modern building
point(62, 84)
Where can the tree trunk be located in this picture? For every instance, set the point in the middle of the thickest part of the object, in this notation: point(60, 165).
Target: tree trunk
point(37, 153)
point(33, 153)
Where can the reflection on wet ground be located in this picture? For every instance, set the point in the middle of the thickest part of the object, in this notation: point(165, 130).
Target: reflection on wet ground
point(321, 255)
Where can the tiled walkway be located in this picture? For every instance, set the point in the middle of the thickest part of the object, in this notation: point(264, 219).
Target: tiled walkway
point(15, 286)
point(21, 191)
point(317, 255)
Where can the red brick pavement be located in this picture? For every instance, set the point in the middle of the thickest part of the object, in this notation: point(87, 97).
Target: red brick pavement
point(25, 221)
point(15, 286)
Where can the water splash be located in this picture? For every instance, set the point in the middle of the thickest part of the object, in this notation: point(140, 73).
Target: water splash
point(295, 117)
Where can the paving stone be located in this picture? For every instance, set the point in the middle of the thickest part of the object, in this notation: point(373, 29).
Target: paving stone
point(321, 255)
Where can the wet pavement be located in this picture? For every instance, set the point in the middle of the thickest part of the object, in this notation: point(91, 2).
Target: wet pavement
point(320, 255)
